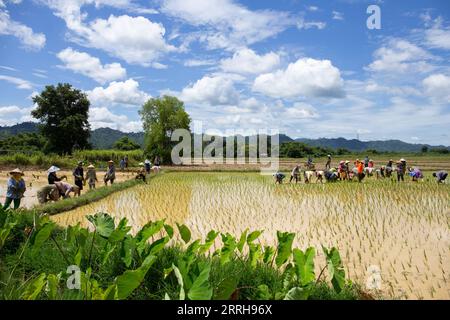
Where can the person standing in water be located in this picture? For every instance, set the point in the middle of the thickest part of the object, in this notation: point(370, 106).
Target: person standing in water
point(15, 189)
point(110, 173)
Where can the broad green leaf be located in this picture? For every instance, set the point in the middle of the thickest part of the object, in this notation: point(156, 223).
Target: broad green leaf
point(179, 277)
point(34, 288)
point(285, 240)
point(126, 252)
point(41, 236)
point(110, 293)
point(184, 232)
point(201, 289)
point(269, 252)
point(242, 241)
point(169, 230)
point(304, 265)
point(255, 254)
point(297, 293)
point(335, 268)
point(158, 245)
point(107, 250)
point(226, 288)
point(78, 256)
point(229, 245)
point(131, 279)
point(253, 236)
point(146, 232)
point(103, 222)
point(209, 241)
point(120, 232)
point(52, 286)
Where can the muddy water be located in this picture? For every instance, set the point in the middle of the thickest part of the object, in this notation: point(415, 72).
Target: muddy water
point(403, 230)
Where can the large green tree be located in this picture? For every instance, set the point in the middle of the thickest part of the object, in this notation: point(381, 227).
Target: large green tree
point(160, 117)
point(125, 143)
point(63, 115)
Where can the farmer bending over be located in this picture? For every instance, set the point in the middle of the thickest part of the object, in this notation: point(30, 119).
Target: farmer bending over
point(279, 177)
point(141, 172)
point(440, 176)
point(48, 193)
point(65, 189)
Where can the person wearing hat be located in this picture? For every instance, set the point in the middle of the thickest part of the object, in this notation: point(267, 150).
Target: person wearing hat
point(148, 166)
point(110, 174)
point(328, 164)
point(141, 172)
point(78, 174)
point(52, 177)
point(389, 168)
point(360, 169)
point(91, 176)
point(15, 189)
point(401, 169)
point(279, 177)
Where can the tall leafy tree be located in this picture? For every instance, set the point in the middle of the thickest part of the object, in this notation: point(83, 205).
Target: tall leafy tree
point(63, 115)
point(160, 117)
point(125, 143)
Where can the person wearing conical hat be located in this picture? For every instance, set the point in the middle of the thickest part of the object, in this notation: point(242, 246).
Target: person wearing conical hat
point(141, 173)
point(91, 176)
point(110, 174)
point(52, 177)
point(15, 189)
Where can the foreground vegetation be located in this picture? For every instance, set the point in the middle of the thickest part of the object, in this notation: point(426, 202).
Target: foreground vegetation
point(153, 264)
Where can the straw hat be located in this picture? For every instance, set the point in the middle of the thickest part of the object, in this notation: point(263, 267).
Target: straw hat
point(16, 170)
point(53, 169)
point(110, 161)
point(147, 161)
point(346, 161)
point(80, 163)
point(91, 166)
point(402, 160)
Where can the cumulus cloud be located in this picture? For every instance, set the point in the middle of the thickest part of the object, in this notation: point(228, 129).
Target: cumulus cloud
point(438, 38)
point(303, 24)
point(10, 115)
point(338, 15)
point(226, 23)
point(437, 86)
point(306, 77)
point(103, 117)
point(247, 61)
point(87, 65)
point(20, 83)
point(399, 56)
point(26, 35)
point(137, 40)
point(300, 111)
point(126, 92)
point(214, 90)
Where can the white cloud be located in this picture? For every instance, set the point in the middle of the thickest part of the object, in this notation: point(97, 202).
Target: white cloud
point(306, 77)
point(246, 61)
point(399, 56)
point(137, 40)
point(303, 24)
point(126, 92)
point(25, 34)
point(313, 8)
point(10, 115)
point(211, 91)
point(102, 117)
point(7, 110)
point(438, 38)
point(437, 86)
point(338, 15)
point(87, 65)
point(20, 83)
point(199, 62)
point(228, 24)
point(300, 111)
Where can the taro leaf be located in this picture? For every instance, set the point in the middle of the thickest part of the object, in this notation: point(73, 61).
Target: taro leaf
point(146, 232)
point(263, 293)
point(209, 241)
point(179, 277)
point(131, 279)
point(289, 277)
point(284, 249)
point(184, 232)
point(110, 293)
point(34, 288)
point(120, 232)
point(297, 293)
point(52, 286)
point(193, 247)
point(242, 240)
point(229, 245)
point(41, 236)
point(304, 265)
point(253, 236)
point(169, 230)
point(158, 245)
point(108, 249)
point(103, 222)
point(78, 256)
point(335, 268)
point(201, 289)
point(126, 252)
point(226, 288)
point(268, 254)
point(255, 254)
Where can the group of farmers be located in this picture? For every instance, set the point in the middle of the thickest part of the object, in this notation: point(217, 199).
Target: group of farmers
point(57, 188)
point(360, 170)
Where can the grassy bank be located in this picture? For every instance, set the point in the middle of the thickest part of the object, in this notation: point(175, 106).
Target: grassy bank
point(90, 196)
point(35, 254)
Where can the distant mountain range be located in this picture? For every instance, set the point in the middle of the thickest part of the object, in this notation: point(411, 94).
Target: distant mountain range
point(104, 138)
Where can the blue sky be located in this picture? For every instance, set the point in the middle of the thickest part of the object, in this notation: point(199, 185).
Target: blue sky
point(307, 68)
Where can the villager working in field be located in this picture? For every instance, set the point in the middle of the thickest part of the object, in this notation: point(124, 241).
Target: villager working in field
point(366, 161)
point(310, 163)
point(360, 170)
point(148, 166)
point(328, 164)
point(52, 177)
point(48, 193)
point(15, 189)
point(91, 176)
point(122, 164)
point(341, 170)
point(126, 161)
point(389, 168)
point(440, 176)
point(78, 174)
point(156, 164)
point(279, 177)
point(415, 174)
point(295, 174)
point(331, 175)
point(110, 174)
point(65, 189)
point(141, 172)
point(319, 176)
point(401, 170)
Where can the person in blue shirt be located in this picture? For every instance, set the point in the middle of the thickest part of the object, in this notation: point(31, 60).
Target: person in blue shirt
point(15, 189)
point(440, 176)
point(279, 177)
